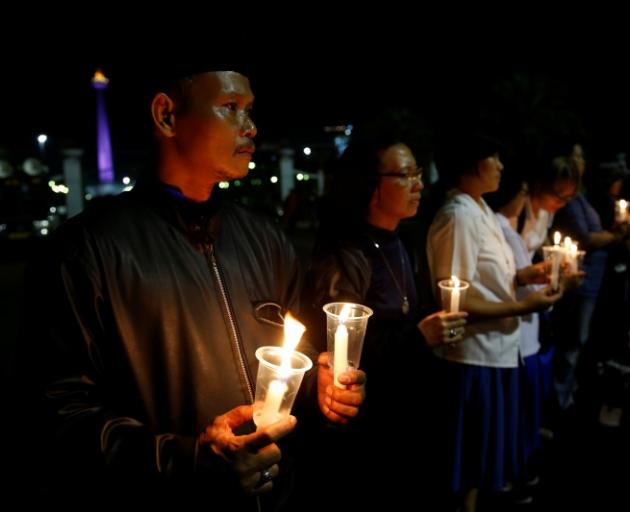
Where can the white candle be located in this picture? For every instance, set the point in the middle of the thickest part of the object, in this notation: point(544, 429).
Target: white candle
point(621, 208)
point(454, 303)
point(341, 353)
point(271, 408)
point(572, 257)
point(270, 412)
point(556, 258)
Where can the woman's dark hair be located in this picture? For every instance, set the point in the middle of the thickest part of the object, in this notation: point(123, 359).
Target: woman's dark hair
point(561, 168)
point(512, 179)
point(561, 146)
point(459, 154)
point(354, 178)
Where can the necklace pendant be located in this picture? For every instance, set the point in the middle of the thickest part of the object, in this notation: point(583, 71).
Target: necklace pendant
point(405, 306)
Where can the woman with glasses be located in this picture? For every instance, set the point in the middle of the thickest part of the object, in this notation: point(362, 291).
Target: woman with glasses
point(551, 189)
point(360, 258)
point(477, 379)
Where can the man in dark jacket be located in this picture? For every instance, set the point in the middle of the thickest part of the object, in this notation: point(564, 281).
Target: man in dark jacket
point(152, 306)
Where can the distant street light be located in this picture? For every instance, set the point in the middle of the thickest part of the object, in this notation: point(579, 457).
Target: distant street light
point(41, 140)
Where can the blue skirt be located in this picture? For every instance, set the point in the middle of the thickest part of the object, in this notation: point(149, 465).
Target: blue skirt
point(478, 418)
point(531, 389)
point(545, 361)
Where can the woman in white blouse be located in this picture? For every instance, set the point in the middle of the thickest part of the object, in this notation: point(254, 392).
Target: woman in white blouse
point(478, 391)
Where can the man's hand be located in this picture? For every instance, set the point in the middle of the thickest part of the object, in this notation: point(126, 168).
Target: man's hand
point(339, 405)
point(254, 457)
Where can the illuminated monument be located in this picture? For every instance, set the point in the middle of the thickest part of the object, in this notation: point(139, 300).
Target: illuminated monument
point(103, 141)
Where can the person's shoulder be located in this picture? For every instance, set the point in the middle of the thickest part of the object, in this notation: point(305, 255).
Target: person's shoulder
point(574, 207)
point(347, 251)
point(257, 227)
point(461, 209)
point(101, 213)
point(103, 218)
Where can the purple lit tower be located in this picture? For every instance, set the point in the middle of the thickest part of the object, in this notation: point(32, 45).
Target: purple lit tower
point(103, 141)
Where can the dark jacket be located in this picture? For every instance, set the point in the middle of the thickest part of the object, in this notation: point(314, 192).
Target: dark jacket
point(354, 270)
point(146, 315)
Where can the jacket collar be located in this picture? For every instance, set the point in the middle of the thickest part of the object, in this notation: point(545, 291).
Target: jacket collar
point(198, 220)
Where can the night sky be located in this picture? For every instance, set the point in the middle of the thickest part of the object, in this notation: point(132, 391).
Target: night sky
point(338, 83)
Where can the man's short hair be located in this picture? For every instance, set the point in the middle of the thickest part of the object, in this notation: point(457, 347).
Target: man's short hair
point(167, 76)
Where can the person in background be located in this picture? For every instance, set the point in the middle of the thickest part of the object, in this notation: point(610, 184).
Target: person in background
point(551, 188)
point(573, 315)
point(508, 203)
point(477, 381)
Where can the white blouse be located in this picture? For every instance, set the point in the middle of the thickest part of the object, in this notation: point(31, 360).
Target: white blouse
point(530, 343)
point(465, 240)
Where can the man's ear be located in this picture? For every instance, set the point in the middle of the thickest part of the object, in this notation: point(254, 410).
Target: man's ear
point(162, 109)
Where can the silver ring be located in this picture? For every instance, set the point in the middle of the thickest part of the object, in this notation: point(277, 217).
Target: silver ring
point(452, 333)
point(265, 476)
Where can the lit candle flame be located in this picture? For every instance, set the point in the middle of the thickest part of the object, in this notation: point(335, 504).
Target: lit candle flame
point(567, 242)
point(623, 204)
point(293, 331)
point(345, 313)
point(455, 281)
point(556, 238)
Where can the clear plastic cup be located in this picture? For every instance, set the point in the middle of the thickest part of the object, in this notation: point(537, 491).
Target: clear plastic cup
point(453, 297)
point(553, 256)
point(277, 385)
point(345, 328)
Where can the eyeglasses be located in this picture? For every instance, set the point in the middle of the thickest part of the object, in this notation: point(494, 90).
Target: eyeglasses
point(407, 177)
point(560, 197)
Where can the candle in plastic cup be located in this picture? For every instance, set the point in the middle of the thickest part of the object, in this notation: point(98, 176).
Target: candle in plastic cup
point(345, 328)
point(553, 254)
point(453, 293)
point(572, 259)
point(277, 383)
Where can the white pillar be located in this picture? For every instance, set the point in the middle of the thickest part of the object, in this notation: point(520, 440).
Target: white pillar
point(74, 180)
point(321, 182)
point(287, 172)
